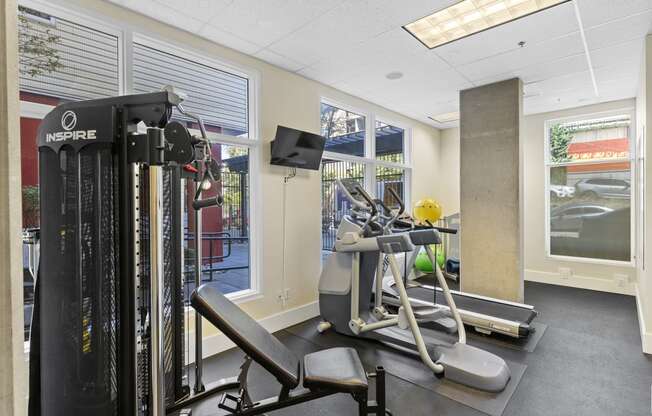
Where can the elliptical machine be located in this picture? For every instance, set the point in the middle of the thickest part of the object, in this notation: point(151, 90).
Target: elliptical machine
point(345, 297)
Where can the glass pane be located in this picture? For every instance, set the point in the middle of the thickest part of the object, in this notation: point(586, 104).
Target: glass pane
point(387, 178)
point(599, 140)
point(59, 61)
point(219, 97)
point(64, 60)
point(590, 211)
point(389, 143)
point(334, 204)
point(225, 229)
point(344, 130)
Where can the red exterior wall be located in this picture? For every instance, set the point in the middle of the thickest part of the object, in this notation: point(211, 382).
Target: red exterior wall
point(600, 150)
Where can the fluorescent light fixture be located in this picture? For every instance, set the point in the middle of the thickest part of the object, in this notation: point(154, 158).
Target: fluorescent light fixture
point(468, 17)
point(446, 118)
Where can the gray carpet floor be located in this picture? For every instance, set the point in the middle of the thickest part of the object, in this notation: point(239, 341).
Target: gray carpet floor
point(589, 362)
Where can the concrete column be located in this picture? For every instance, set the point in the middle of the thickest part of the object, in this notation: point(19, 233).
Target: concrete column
point(13, 375)
point(490, 185)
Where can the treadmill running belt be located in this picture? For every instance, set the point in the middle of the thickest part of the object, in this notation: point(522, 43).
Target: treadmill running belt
point(499, 310)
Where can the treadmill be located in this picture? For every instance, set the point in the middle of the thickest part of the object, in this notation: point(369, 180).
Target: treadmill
point(484, 314)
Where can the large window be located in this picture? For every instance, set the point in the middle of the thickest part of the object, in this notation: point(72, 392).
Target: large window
point(334, 204)
point(344, 130)
point(225, 237)
point(221, 98)
point(66, 56)
point(378, 159)
point(590, 182)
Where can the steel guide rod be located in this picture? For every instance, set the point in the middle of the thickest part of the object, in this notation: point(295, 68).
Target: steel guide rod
point(156, 291)
point(199, 384)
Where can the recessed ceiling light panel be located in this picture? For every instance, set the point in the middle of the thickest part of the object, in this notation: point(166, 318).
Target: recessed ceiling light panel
point(445, 118)
point(468, 17)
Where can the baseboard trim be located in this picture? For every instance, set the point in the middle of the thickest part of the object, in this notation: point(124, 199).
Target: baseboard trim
point(646, 336)
point(580, 282)
point(219, 342)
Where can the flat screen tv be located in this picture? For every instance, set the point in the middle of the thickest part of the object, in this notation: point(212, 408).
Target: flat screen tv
point(297, 149)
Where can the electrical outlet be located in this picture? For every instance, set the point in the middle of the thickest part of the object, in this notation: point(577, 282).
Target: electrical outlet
point(621, 279)
point(283, 296)
point(280, 296)
point(565, 272)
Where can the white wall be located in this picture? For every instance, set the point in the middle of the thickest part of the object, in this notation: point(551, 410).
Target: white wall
point(644, 121)
point(448, 180)
point(538, 266)
point(425, 158)
point(13, 374)
point(290, 100)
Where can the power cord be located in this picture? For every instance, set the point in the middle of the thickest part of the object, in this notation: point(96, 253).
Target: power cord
point(292, 172)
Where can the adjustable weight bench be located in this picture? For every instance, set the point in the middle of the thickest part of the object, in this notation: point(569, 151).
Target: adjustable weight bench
point(327, 372)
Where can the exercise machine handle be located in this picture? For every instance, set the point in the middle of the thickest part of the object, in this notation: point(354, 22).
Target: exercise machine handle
point(370, 201)
point(198, 204)
point(445, 230)
point(386, 211)
point(442, 229)
point(401, 204)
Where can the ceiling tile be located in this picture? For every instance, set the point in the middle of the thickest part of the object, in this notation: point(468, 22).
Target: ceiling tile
point(597, 12)
point(554, 102)
point(201, 10)
point(619, 52)
point(548, 24)
point(228, 39)
point(264, 22)
point(568, 82)
point(403, 12)
point(618, 31)
point(618, 89)
point(390, 51)
point(553, 68)
point(155, 11)
point(353, 45)
point(342, 28)
point(629, 69)
point(539, 55)
point(278, 60)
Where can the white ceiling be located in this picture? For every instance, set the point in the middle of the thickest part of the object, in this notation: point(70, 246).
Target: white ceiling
point(351, 45)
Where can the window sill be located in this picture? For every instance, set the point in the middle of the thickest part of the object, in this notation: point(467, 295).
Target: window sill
point(598, 262)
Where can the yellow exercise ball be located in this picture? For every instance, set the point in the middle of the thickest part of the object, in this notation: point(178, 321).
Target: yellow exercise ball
point(427, 210)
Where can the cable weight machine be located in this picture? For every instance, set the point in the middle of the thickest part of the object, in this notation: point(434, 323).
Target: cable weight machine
point(108, 333)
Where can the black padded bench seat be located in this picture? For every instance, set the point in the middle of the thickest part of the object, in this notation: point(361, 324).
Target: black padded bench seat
point(263, 347)
point(327, 372)
point(337, 369)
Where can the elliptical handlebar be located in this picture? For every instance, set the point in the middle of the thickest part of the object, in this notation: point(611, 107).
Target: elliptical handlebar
point(401, 204)
point(374, 210)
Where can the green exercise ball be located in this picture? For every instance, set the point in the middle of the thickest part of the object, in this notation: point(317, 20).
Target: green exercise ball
point(423, 262)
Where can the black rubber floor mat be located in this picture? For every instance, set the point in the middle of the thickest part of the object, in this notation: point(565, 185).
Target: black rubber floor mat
point(408, 367)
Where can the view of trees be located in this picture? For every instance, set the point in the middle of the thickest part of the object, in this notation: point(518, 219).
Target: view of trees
point(36, 47)
point(337, 122)
point(560, 137)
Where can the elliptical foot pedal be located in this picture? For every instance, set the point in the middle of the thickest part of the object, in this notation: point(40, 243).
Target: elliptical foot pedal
point(227, 399)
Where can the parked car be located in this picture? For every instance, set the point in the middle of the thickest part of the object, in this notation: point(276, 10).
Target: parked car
point(571, 217)
point(603, 187)
point(561, 191)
